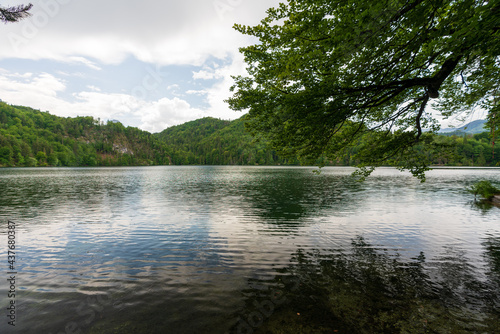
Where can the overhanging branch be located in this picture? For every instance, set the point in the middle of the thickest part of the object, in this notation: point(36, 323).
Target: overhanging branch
point(432, 84)
point(424, 99)
point(15, 13)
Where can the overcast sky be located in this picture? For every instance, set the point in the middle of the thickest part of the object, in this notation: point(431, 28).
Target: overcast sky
point(149, 64)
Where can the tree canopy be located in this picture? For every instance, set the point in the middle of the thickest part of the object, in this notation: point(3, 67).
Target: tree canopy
point(327, 74)
point(15, 13)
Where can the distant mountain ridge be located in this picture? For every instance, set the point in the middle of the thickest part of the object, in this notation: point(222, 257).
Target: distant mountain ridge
point(474, 127)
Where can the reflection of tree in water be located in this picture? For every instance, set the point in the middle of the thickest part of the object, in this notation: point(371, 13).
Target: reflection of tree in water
point(492, 254)
point(369, 291)
point(482, 206)
point(291, 196)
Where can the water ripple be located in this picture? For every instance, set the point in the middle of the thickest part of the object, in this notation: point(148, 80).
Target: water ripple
point(108, 248)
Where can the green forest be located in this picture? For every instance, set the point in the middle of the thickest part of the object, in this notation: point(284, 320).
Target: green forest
point(32, 138)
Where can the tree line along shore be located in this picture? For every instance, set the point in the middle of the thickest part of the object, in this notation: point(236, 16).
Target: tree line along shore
point(32, 138)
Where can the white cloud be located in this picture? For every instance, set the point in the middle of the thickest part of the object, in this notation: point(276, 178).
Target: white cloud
point(26, 75)
point(196, 92)
point(218, 93)
point(173, 87)
point(166, 32)
point(150, 116)
point(94, 88)
point(16, 86)
point(207, 75)
point(103, 34)
point(84, 61)
point(164, 113)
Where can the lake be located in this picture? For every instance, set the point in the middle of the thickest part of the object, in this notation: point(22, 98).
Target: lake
point(247, 250)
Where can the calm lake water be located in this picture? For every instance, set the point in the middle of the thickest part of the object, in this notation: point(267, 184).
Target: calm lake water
point(248, 250)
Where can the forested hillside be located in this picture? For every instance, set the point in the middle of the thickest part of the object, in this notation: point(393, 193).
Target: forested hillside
point(211, 141)
point(466, 150)
point(32, 138)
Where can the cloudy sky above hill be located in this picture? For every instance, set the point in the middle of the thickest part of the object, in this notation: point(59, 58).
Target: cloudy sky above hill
point(150, 64)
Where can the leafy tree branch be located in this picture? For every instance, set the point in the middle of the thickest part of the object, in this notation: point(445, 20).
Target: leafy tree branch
point(322, 68)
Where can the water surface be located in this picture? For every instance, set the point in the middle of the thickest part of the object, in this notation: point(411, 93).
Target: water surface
point(249, 250)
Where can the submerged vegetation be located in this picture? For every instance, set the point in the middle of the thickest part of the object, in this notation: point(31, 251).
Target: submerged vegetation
point(32, 138)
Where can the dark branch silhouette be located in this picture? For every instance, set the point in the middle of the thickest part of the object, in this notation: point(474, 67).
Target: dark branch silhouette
point(15, 13)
